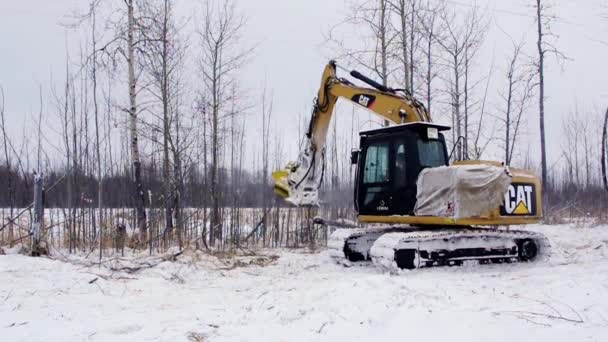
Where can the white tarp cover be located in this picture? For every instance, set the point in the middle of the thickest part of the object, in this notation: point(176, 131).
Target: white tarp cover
point(460, 191)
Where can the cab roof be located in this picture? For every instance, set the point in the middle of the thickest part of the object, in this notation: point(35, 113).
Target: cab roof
point(414, 126)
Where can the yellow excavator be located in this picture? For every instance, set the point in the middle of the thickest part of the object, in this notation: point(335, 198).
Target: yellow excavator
point(416, 209)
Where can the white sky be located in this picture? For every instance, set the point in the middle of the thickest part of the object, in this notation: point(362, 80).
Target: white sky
point(291, 54)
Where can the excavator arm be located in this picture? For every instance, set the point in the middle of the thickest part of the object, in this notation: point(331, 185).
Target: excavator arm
point(299, 181)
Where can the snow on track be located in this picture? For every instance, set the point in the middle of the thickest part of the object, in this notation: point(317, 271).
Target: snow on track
point(307, 297)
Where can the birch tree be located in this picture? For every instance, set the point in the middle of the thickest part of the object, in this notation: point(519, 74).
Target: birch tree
point(139, 196)
point(126, 43)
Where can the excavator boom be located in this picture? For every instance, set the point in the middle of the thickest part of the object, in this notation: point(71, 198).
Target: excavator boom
point(299, 181)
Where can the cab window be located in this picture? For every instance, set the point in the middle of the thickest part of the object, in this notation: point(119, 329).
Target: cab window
point(400, 169)
point(376, 164)
point(431, 153)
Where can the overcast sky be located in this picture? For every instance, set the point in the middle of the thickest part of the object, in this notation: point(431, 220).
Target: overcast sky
point(291, 54)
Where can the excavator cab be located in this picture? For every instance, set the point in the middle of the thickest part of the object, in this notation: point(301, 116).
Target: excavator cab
point(388, 164)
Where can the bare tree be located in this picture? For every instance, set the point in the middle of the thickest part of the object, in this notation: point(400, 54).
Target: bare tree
point(544, 46)
point(604, 153)
point(7, 160)
point(369, 19)
point(571, 140)
point(161, 60)
point(178, 146)
point(577, 147)
point(39, 133)
point(382, 35)
point(139, 194)
point(64, 106)
point(374, 18)
point(164, 83)
point(519, 91)
point(460, 40)
point(221, 57)
point(428, 19)
point(410, 31)
point(266, 120)
point(202, 108)
point(126, 43)
point(585, 127)
point(97, 130)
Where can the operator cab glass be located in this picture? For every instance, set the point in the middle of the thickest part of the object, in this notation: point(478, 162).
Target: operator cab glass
point(431, 153)
point(390, 161)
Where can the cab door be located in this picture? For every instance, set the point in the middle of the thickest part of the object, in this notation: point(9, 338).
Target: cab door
point(374, 193)
point(385, 172)
point(404, 176)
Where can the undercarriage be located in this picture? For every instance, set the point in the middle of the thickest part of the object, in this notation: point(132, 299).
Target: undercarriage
point(410, 247)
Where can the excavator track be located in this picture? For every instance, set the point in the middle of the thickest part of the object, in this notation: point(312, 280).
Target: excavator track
point(395, 248)
point(354, 244)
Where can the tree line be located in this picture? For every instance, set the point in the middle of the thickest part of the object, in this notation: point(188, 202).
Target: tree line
point(150, 112)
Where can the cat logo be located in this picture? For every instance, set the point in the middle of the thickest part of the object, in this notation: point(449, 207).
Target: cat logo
point(365, 100)
point(520, 200)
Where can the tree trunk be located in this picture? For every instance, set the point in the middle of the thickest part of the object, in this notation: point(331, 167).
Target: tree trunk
point(215, 230)
point(97, 142)
point(429, 70)
point(205, 178)
point(508, 121)
point(541, 96)
point(139, 197)
point(179, 177)
point(411, 63)
point(466, 104)
point(167, 198)
point(8, 168)
point(456, 108)
point(383, 46)
point(404, 46)
point(604, 156)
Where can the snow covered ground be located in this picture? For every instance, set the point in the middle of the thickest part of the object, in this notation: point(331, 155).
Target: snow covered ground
point(305, 297)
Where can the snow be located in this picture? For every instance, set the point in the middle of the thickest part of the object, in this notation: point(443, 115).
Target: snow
point(306, 297)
